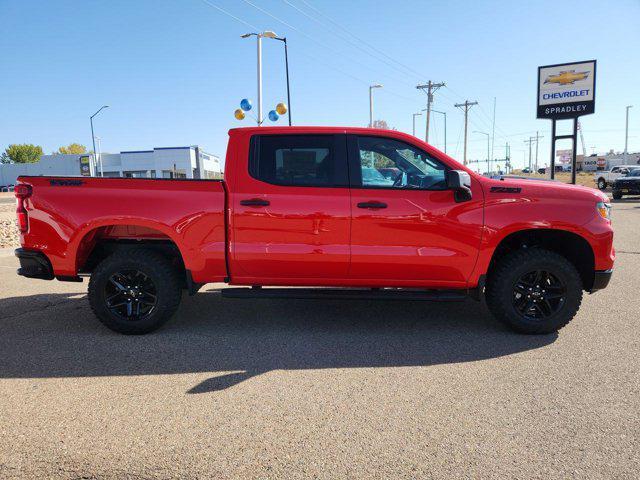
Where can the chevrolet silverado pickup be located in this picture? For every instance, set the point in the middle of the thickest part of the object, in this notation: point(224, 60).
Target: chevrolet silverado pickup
point(333, 212)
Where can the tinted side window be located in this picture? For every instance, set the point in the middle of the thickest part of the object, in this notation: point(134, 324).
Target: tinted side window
point(389, 163)
point(299, 160)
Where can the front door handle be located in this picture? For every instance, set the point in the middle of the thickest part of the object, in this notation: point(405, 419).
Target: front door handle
point(372, 205)
point(254, 202)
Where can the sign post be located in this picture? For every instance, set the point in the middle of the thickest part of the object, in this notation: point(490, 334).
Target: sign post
point(566, 91)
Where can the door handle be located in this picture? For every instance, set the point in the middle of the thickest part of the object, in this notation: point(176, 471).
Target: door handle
point(372, 205)
point(254, 202)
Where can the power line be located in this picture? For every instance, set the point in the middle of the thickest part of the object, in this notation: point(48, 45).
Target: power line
point(315, 59)
point(372, 47)
point(230, 14)
point(292, 27)
point(323, 24)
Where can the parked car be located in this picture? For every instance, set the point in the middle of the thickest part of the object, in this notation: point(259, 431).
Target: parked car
point(296, 209)
point(527, 170)
point(606, 178)
point(542, 171)
point(627, 185)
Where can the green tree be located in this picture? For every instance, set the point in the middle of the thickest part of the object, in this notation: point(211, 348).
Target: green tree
point(73, 149)
point(22, 153)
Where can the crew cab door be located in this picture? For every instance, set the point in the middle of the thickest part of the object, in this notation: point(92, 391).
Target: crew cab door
point(407, 227)
point(291, 210)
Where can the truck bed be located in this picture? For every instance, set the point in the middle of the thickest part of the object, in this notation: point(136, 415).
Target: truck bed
point(69, 216)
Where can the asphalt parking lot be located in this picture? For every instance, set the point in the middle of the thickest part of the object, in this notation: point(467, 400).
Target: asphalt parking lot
point(326, 389)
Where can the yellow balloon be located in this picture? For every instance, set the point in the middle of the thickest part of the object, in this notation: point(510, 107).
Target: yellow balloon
point(281, 108)
point(239, 114)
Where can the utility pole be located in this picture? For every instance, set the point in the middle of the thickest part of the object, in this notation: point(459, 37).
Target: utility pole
point(371, 87)
point(414, 122)
point(445, 128)
point(493, 127)
point(537, 150)
point(488, 159)
point(530, 141)
point(626, 135)
point(466, 106)
point(430, 87)
point(507, 162)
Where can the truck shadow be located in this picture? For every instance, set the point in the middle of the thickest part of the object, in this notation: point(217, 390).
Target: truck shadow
point(240, 339)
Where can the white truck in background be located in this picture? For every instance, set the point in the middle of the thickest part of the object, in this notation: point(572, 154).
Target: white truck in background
point(606, 178)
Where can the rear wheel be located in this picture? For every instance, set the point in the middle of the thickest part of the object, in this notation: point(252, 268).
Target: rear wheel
point(617, 194)
point(534, 291)
point(134, 291)
point(602, 184)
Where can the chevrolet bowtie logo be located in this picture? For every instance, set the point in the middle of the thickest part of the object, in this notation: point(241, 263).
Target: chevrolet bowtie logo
point(566, 78)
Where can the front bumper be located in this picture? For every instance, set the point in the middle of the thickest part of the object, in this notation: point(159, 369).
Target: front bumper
point(34, 264)
point(601, 279)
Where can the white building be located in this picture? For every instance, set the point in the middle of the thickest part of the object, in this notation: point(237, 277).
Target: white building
point(165, 162)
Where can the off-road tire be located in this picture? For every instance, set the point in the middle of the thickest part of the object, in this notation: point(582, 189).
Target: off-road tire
point(617, 195)
point(602, 184)
point(501, 294)
point(157, 268)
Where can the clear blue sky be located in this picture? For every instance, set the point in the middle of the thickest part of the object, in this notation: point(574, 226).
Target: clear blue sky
point(173, 71)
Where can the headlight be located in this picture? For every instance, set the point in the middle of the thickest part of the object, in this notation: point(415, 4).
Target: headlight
point(604, 210)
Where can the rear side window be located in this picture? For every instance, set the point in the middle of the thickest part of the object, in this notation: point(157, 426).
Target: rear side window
point(299, 160)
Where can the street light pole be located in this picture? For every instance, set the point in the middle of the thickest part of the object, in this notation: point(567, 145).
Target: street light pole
point(626, 135)
point(445, 128)
point(286, 63)
point(259, 36)
point(259, 79)
point(93, 138)
point(99, 152)
point(371, 87)
point(488, 143)
point(414, 122)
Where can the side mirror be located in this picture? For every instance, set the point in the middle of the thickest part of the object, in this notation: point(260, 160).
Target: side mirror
point(460, 182)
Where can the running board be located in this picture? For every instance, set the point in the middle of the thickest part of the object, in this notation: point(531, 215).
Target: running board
point(347, 293)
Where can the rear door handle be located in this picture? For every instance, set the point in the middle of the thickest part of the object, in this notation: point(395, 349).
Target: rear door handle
point(372, 205)
point(254, 202)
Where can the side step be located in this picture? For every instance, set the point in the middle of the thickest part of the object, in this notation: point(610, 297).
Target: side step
point(347, 293)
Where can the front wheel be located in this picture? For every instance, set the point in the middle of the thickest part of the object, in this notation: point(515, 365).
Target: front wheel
point(617, 194)
point(602, 184)
point(534, 291)
point(134, 291)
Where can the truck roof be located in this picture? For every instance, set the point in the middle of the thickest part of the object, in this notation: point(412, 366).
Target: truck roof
point(312, 128)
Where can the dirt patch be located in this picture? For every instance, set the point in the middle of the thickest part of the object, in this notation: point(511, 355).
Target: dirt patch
point(9, 236)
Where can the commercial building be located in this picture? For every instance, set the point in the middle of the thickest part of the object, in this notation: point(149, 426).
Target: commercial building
point(163, 162)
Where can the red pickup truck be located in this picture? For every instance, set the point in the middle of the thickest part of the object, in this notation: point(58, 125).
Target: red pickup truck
point(342, 212)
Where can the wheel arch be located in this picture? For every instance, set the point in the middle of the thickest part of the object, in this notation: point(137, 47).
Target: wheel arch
point(101, 239)
point(570, 245)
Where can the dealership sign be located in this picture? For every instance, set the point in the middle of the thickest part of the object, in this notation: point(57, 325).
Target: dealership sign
point(566, 90)
point(85, 166)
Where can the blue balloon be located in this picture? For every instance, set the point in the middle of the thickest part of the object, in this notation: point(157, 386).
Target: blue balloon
point(273, 116)
point(245, 104)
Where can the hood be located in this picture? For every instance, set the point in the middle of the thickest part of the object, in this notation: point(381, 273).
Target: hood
point(541, 187)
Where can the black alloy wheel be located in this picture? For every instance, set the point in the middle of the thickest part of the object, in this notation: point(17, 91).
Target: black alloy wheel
point(135, 290)
point(534, 290)
point(538, 294)
point(131, 295)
